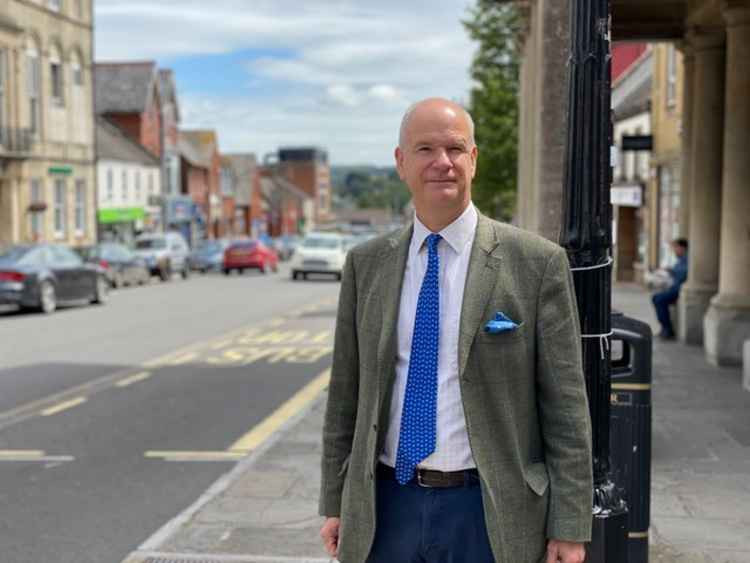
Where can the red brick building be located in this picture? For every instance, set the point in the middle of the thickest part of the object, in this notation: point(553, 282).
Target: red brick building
point(127, 95)
point(307, 168)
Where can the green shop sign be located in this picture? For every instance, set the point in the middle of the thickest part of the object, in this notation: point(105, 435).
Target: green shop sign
point(121, 214)
point(62, 170)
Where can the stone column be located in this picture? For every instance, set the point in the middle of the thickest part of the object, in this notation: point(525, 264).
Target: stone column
point(705, 195)
point(727, 323)
point(688, 72)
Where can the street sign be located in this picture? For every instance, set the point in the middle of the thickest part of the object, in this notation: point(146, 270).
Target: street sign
point(626, 196)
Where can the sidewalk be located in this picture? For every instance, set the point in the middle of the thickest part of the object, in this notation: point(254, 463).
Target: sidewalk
point(265, 509)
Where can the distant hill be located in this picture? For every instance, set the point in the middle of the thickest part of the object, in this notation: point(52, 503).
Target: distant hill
point(368, 187)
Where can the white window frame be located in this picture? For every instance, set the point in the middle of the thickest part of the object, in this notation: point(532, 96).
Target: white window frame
point(124, 187)
point(57, 82)
point(110, 185)
point(60, 207)
point(55, 5)
point(138, 192)
point(151, 183)
point(671, 76)
point(33, 90)
point(80, 207)
point(36, 219)
point(76, 70)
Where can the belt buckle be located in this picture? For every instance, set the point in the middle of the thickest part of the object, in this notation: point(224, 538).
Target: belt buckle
point(420, 482)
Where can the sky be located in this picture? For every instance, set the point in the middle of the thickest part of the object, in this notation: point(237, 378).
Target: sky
point(337, 74)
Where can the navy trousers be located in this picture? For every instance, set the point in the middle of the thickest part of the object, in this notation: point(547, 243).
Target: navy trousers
point(430, 525)
point(662, 301)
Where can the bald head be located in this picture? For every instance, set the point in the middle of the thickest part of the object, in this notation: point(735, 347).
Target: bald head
point(434, 106)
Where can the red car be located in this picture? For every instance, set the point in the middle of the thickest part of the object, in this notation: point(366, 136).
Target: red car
point(249, 254)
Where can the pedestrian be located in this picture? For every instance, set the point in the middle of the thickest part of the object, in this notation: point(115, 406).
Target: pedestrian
point(457, 426)
point(663, 299)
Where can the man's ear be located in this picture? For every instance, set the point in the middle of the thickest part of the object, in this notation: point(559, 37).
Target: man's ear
point(474, 153)
point(399, 156)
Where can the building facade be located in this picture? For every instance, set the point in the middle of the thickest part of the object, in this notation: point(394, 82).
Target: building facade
point(714, 133)
point(47, 169)
point(308, 169)
point(128, 179)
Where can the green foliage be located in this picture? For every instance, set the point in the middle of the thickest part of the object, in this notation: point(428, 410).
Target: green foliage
point(494, 105)
point(370, 187)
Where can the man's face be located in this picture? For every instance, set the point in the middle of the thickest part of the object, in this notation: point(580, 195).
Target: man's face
point(678, 250)
point(437, 159)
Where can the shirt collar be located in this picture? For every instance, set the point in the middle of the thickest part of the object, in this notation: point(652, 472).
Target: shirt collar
point(457, 234)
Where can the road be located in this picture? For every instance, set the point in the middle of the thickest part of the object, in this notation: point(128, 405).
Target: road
point(115, 418)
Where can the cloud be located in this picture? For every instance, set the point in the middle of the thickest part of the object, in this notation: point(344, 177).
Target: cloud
point(337, 73)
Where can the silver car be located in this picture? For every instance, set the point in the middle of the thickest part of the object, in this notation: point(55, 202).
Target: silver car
point(165, 253)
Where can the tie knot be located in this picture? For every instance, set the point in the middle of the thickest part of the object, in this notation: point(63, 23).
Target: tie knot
point(433, 240)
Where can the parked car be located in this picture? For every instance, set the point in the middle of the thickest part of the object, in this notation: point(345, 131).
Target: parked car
point(245, 254)
point(164, 253)
point(120, 264)
point(208, 255)
point(319, 253)
point(43, 276)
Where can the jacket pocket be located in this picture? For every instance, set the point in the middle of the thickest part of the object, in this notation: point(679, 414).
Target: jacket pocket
point(537, 478)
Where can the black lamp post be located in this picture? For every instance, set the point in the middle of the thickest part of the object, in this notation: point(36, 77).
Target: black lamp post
point(587, 236)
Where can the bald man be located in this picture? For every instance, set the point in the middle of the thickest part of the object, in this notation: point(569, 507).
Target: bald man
point(457, 426)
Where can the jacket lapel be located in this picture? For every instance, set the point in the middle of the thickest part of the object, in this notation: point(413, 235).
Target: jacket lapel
point(392, 263)
point(482, 275)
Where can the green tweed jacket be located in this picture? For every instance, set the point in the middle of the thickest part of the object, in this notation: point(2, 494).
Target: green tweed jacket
point(523, 391)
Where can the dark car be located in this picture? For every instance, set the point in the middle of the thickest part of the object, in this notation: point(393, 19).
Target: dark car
point(208, 255)
point(246, 254)
point(42, 276)
point(120, 264)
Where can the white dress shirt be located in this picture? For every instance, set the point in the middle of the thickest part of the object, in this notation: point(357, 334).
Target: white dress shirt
point(452, 451)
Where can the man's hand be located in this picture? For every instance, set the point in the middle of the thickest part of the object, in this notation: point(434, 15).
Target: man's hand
point(559, 551)
point(330, 534)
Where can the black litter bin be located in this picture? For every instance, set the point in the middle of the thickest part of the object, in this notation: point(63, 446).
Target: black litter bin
point(630, 428)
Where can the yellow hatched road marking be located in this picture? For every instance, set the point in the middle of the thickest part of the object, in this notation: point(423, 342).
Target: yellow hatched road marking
point(270, 424)
point(195, 456)
point(65, 405)
point(135, 378)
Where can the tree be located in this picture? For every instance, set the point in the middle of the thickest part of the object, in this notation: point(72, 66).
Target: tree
point(494, 105)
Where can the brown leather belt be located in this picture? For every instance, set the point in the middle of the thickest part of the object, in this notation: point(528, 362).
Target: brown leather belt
point(433, 478)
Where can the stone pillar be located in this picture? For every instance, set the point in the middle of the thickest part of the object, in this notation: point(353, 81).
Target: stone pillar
point(705, 196)
point(727, 323)
point(688, 66)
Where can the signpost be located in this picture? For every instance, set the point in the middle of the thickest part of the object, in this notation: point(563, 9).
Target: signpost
point(587, 236)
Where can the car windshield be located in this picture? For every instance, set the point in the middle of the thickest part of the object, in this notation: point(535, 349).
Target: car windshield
point(12, 255)
point(243, 245)
point(147, 243)
point(328, 243)
point(209, 246)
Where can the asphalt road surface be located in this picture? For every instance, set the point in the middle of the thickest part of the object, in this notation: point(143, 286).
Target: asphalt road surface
point(115, 418)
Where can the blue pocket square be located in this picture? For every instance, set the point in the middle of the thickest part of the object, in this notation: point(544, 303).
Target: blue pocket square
point(501, 323)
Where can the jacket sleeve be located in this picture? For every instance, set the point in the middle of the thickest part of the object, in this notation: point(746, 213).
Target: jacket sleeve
point(343, 390)
point(563, 404)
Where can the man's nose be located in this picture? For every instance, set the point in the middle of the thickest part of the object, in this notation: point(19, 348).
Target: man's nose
point(442, 159)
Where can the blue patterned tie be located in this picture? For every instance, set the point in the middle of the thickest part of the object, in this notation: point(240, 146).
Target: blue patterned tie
point(416, 439)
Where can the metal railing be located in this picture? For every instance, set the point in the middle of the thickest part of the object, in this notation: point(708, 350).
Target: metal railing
point(15, 141)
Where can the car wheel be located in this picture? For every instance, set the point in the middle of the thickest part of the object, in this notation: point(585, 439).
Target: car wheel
point(338, 276)
point(275, 268)
point(102, 290)
point(241, 271)
point(47, 298)
point(262, 268)
point(118, 281)
point(185, 273)
point(294, 275)
point(304, 275)
point(226, 271)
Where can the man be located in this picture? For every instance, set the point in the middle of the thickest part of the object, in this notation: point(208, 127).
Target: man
point(457, 426)
point(663, 299)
